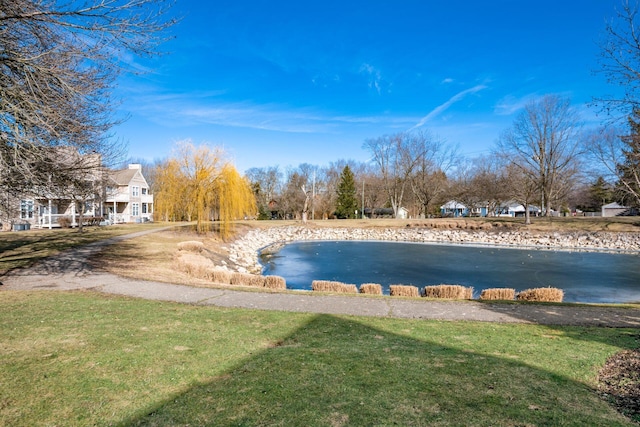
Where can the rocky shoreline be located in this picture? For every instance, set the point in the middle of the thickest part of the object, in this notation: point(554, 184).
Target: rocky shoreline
point(244, 252)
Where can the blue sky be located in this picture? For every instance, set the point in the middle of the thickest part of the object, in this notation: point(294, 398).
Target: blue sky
point(290, 82)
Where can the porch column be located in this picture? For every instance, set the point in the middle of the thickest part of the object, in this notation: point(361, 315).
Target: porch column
point(73, 214)
point(49, 214)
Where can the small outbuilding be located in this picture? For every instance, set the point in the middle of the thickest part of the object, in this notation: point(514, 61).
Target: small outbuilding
point(615, 209)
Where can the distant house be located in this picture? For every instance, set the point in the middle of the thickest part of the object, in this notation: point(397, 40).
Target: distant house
point(514, 209)
point(274, 208)
point(128, 198)
point(456, 209)
point(616, 209)
point(370, 213)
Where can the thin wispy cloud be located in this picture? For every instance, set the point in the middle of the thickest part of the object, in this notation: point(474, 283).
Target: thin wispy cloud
point(443, 107)
point(375, 77)
point(184, 110)
point(510, 104)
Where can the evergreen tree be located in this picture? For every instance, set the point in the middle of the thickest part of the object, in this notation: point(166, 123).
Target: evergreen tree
point(600, 193)
point(347, 204)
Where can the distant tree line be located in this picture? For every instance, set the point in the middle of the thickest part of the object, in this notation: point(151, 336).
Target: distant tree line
point(544, 159)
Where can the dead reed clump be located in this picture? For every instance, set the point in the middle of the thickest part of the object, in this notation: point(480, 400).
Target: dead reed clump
point(502, 294)
point(371, 288)
point(541, 295)
point(331, 286)
point(193, 270)
point(194, 265)
point(246, 279)
point(191, 246)
point(447, 292)
point(403, 291)
point(275, 282)
point(220, 276)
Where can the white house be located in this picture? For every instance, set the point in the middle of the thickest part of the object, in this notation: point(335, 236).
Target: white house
point(123, 196)
point(517, 209)
point(128, 198)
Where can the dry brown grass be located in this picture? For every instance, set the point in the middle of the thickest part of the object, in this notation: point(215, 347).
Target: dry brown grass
point(403, 291)
point(191, 246)
point(503, 294)
point(541, 295)
point(331, 286)
point(371, 288)
point(591, 224)
point(447, 292)
point(275, 282)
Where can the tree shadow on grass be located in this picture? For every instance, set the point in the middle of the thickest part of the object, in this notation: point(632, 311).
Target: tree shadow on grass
point(336, 371)
point(574, 314)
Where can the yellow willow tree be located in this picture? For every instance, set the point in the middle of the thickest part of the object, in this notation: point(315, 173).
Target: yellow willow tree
point(197, 183)
point(170, 198)
point(234, 197)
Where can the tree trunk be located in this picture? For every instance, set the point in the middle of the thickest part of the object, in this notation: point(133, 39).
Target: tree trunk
point(80, 217)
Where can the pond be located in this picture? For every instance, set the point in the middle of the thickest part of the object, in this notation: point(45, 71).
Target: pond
point(584, 276)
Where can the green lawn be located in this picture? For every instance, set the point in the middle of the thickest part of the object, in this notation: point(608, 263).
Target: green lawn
point(80, 359)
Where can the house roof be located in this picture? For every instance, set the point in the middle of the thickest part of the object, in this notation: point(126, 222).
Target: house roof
point(614, 205)
point(124, 176)
point(452, 204)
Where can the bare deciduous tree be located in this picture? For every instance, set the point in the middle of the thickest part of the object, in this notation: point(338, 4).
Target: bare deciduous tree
point(544, 145)
point(429, 180)
point(620, 60)
point(266, 186)
point(619, 154)
point(397, 157)
point(59, 61)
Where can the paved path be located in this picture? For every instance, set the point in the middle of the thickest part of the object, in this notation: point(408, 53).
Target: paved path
point(71, 271)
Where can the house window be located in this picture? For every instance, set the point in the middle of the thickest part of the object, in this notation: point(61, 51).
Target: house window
point(26, 209)
point(144, 208)
point(135, 209)
point(135, 191)
point(144, 191)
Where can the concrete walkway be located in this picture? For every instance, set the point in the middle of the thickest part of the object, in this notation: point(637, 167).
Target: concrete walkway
point(71, 271)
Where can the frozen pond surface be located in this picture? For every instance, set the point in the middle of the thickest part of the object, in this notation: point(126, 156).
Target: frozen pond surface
point(584, 276)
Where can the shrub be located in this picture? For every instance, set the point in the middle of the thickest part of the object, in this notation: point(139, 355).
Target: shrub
point(447, 292)
point(371, 288)
point(64, 221)
point(541, 295)
point(275, 282)
point(191, 246)
point(330, 286)
point(403, 291)
point(504, 294)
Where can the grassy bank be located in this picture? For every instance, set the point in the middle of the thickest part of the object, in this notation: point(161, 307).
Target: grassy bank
point(88, 359)
point(23, 248)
